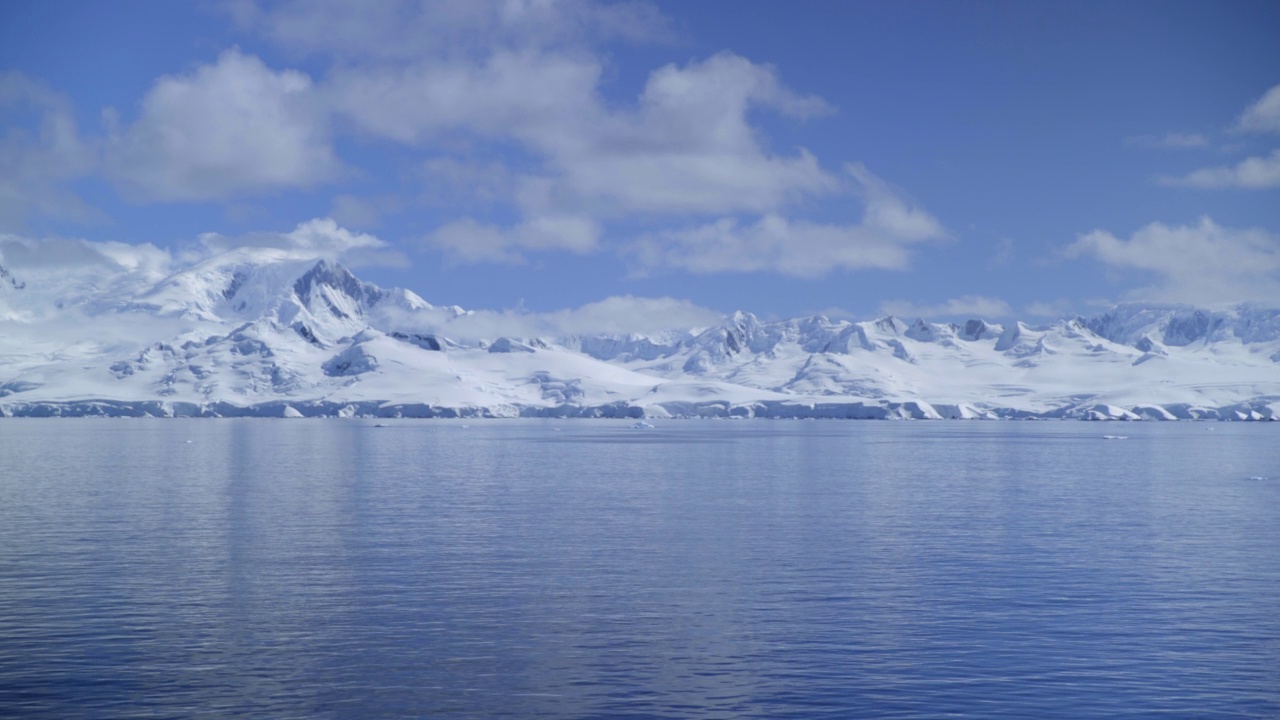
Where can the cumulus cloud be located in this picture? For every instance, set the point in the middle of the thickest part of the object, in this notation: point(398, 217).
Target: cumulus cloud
point(318, 238)
point(686, 147)
point(521, 95)
point(227, 129)
point(967, 306)
point(507, 98)
point(1201, 263)
point(1263, 115)
point(890, 225)
point(523, 76)
point(41, 149)
point(1253, 173)
point(521, 80)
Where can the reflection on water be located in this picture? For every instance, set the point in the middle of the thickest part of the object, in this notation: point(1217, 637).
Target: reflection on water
point(587, 569)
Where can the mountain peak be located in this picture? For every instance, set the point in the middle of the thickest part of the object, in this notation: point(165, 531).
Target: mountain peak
point(256, 326)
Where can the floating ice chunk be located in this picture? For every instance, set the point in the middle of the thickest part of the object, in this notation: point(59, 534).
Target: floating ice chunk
point(1258, 477)
point(1115, 437)
point(641, 425)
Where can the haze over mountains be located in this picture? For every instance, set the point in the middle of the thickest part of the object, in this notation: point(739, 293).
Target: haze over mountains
point(262, 332)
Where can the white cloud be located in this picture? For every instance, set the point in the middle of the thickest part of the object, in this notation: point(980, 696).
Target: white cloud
point(318, 238)
point(1263, 115)
point(1169, 140)
point(63, 264)
point(74, 275)
point(59, 254)
point(687, 147)
point(967, 306)
point(1255, 173)
point(890, 225)
point(470, 241)
point(1201, 263)
point(509, 95)
point(771, 244)
point(521, 80)
point(227, 129)
point(622, 315)
point(40, 151)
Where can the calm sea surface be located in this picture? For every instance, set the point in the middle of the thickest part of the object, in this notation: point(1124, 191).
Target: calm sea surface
point(436, 569)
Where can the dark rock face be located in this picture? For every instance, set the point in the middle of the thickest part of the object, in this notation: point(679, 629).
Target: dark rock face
point(339, 279)
point(426, 342)
point(237, 281)
point(1186, 329)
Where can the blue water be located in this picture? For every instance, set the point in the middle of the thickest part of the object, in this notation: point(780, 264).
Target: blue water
point(334, 569)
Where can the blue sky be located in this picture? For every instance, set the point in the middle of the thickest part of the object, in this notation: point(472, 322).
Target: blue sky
point(945, 159)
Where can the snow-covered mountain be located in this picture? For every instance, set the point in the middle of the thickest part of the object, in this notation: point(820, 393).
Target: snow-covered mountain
point(260, 332)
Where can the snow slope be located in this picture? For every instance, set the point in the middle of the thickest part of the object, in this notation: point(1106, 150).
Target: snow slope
point(256, 331)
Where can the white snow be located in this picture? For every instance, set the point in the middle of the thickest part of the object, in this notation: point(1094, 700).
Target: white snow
point(260, 332)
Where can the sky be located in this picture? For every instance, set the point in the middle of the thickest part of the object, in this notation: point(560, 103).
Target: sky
point(944, 159)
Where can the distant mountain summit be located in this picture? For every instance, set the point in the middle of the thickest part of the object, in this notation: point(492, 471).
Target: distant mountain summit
point(260, 332)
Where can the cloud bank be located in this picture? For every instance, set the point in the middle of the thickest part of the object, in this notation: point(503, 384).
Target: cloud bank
point(1201, 263)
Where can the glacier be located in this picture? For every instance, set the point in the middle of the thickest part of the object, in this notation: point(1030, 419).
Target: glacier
point(264, 333)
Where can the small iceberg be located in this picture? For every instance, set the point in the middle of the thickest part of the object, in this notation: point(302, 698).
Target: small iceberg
point(1258, 477)
point(1115, 437)
point(642, 425)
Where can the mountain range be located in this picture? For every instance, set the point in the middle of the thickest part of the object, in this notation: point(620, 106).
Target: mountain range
point(262, 332)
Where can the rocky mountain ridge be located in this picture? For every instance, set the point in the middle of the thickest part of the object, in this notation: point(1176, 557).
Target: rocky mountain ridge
point(260, 332)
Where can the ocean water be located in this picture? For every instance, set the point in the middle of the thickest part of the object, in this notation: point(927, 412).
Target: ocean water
point(584, 569)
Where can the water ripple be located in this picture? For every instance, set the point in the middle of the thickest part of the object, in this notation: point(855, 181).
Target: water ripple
point(753, 569)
